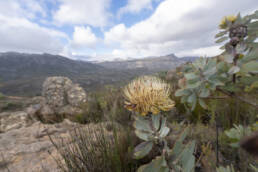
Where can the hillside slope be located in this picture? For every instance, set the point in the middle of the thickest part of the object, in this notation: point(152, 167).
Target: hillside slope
point(23, 74)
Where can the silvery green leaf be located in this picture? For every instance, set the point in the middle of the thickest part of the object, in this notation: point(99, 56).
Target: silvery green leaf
point(240, 48)
point(222, 67)
point(198, 63)
point(163, 123)
point(143, 135)
point(183, 135)
point(221, 34)
point(154, 166)
point(164, 132)
point(195, 85)
point(142, 124)
point(233, 70)
point(189, 76)
point(178, 146)
point(253, 25)
point(192, 99)
point(205, 92)
point(210, 71)
point(210, 64)
point(229, 58)
point(194, 104)
point(252, 55)
point(251, 66)
point(142, 149)
point(182, 92)
point(222, 39)
point(193, 81)
point(215, 82)
point(187, 158)
point(156, 121)
point(212, 86)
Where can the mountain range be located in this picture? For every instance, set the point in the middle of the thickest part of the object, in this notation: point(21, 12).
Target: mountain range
point(22, 74)
point(154, 64)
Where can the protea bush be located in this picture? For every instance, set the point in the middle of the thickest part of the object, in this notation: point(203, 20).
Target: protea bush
point(148, 96)
point(233, 75)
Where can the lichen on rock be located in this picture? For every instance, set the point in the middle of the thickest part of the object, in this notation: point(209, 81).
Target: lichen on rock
point(61, 98)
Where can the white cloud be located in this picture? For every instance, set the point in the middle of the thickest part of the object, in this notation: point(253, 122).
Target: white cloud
point(22, 8)
point(91, 12)
point(183, 27)
point(19, 34)
point(84, 37)
point(135, 6)
point(204, 51)
point(116, 34)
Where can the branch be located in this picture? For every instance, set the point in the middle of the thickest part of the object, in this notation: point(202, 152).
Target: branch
point(215, 97)
point(238, 97)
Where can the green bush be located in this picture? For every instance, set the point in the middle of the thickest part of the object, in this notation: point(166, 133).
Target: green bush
point(104, 105)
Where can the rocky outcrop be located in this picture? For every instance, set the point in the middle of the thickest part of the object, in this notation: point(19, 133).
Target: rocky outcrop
point(27, 147)
point(61, 98)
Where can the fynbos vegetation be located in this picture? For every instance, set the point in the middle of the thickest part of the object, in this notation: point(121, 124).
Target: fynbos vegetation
point(221, 77)
point(216, 99)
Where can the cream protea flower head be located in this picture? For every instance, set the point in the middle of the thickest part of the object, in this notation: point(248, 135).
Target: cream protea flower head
point(223, 23)
point(148, 94)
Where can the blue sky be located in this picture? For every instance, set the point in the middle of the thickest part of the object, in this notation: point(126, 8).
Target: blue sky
point(109, 29)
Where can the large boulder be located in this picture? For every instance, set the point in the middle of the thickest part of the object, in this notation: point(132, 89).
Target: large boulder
point(60, 91)
point(61, 98)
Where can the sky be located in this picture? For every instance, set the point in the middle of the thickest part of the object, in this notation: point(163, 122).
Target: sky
point(109, 29)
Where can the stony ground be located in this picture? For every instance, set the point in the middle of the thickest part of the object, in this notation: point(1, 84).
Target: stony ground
point(25, 145)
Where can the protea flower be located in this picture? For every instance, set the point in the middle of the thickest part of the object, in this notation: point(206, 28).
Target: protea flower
point(223, 23)
point(148, 94)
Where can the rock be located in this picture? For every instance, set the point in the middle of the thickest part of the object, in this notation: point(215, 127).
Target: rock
point(54, 90)
point(61, 97)
point(32, 110)
point(27, 148)
point(13, 120)
point(76, 96)
point(46, 114)
point(69, 111)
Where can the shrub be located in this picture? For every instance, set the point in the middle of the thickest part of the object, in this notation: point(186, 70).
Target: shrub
point(104, 105)
point(95, 149)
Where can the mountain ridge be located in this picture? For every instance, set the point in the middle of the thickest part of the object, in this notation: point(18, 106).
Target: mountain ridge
point(154, 63)
point(23, 74)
